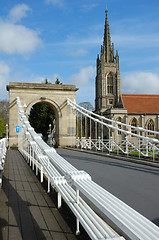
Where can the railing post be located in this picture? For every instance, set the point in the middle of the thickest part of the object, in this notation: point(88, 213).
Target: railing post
point(30, 154)
point(77, 125)
point(117, 143)
point(111, 144)
point(7, 135)
point(95, 130)
point(153, 152)
point(96, 135)
point(81, 142)
point(102, 134)
point(77, 227)
point(99, 147)
point(127, 147)
point(90, 129)
point(48, 186)
point(36, 168)
point(90, 143)
point(33, 159)
point(59, 200)
point(78, 142)
point(85, 127)
point(147, 148)
point(139, 145)
point(77, 196)
point(81, 125)
point(41, 173)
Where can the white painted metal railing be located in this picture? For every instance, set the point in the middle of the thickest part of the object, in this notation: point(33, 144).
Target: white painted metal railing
point(58, 171)
point(133, 140)
point(3, 150)
point(69, 182)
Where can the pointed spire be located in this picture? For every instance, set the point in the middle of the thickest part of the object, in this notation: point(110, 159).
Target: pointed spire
point(107, 40)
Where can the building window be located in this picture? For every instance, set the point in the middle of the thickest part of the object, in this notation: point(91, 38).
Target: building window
point(150, 126)
point(110, 101)
point(119, 126)
point(110, 83)
point(133, 123)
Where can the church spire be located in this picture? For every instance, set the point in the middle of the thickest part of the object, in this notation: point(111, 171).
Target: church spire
point(108, 48)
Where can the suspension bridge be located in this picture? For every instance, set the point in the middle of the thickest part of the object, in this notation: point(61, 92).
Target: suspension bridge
point(101, 214)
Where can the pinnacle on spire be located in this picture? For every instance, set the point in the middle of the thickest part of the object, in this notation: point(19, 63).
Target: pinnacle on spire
point(107, 40)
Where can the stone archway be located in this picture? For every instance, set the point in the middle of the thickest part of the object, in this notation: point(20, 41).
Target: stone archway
point(54, 106)
point(53, 94)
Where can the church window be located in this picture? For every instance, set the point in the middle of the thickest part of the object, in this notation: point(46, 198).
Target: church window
point(133, 123)
point(110, 83)
point(150, 126)
point(119, 126)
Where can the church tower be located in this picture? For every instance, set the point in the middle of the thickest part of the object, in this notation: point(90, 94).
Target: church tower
point(108, 79)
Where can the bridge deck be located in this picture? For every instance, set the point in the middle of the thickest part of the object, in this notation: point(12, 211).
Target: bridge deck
point(26, 210)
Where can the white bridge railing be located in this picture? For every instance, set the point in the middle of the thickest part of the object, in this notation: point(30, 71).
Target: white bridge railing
point(3, 150)
point(127, 146)
point(69, 182)
point(131, 140)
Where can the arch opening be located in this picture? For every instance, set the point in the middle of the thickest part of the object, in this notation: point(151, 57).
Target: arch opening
point(133, 123)
point(119, 119)
point(150, 125)
point(43, 117)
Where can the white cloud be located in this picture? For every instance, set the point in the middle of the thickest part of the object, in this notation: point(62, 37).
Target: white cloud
point(40, 79)
point(137, 40)
point(83, 78)
point(17, 39)
point(59, 3)
point(141, 82)
point(86, 93)
point(76, 40)
point(18, 12)
point(4, 69)
point(90, 40)
point(33, 78)
point(4, 79)
point(78, 53)
point(88, 7)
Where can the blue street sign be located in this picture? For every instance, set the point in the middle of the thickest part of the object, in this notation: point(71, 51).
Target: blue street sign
point(18, 129)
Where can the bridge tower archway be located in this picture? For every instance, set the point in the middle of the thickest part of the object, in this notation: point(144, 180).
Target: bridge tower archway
point(56, 109)
point(53, 94)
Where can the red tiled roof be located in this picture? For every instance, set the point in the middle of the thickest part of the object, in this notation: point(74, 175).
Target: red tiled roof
point(141, 103)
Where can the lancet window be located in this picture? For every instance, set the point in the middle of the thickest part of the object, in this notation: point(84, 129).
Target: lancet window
point(110, 83)
point(133, 123)
point(119, 126)
point(150, 126)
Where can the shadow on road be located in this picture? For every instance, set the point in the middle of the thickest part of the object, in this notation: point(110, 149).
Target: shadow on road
point(105, 160)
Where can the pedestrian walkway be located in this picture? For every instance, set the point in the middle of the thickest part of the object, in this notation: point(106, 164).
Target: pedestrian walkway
point(26, 211)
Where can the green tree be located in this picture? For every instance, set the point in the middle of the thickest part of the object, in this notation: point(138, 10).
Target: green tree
point(57, 81)
point(2, 128)
point(47, 81)
point(4, 111)
point(41, 115)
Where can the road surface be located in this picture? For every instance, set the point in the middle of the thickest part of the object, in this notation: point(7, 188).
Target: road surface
point(135, 184)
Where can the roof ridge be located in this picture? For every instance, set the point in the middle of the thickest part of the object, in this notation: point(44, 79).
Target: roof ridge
point(134, 94)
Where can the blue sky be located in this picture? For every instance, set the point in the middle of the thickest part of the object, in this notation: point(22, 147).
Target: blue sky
point(61, 38)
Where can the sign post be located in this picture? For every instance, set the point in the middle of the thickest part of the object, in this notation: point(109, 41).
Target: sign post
point(18, 129)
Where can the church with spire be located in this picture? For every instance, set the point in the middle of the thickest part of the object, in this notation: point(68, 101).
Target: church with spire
point(139, 110)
